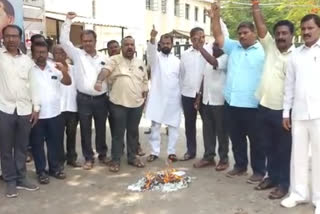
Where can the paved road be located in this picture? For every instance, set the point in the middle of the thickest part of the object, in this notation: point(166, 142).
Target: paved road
point(100, 191)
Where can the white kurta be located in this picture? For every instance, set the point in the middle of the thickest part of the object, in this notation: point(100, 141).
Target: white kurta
point(164, 100)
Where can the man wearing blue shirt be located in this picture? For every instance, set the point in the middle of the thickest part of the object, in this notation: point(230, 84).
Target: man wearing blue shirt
point(245, 65)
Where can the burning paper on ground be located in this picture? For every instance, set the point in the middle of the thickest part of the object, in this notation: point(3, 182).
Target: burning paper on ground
point(168, 180)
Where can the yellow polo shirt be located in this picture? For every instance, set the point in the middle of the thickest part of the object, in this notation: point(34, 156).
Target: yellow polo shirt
point(271, 89)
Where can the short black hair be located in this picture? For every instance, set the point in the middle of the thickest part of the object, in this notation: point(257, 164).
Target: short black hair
point(13, 26)
point(246, 24)
point(37, 36)
point(8, 8)
point(88, 32)
point(309, 17)
point(167, 36)
point(111, 42)
point(287, 23)
point(127, 37)
point(195, 30)
point(39, 44)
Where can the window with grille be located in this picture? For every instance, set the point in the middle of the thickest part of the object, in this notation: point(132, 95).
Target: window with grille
point(204, 16)
point(196, 11)
point(176, 7)
point(164, 6)
point(187, 10)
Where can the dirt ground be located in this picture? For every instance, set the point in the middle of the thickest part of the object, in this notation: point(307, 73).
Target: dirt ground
point(100, 191)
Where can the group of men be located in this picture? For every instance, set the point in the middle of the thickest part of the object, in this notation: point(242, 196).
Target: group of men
point(262, 92)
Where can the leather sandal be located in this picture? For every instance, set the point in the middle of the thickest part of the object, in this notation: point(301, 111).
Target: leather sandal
point(137, 163)
point(114, 167)
point(265, 184)
point(151, 158)
point(172, 158)
point(204, 163)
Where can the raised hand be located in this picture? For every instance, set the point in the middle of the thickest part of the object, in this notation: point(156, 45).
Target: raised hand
point(61, 67)
point(153, 33)
point(71, 15)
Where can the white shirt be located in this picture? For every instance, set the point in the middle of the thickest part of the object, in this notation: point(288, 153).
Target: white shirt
point(49, 84)
point(192, 66)
point(214, 81)
point(17, 88)
point(87, 67)
point(69, 94)
point(164, 99)
point(302, 84)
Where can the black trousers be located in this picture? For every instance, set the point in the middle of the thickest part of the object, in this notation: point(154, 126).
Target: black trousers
point(124, 120)
point(242, 122)
point(49, 131)
point(277, 145)
point(190, 115)
point(95, 107)
point(213, 126)
point(71, 120)
point(14, 135)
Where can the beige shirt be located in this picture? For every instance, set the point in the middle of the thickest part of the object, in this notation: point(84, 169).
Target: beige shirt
point(128, 80)
point(17, 87)
point(271, 89)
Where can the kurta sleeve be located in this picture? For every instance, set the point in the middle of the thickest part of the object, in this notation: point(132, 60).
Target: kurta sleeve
point(289, 88)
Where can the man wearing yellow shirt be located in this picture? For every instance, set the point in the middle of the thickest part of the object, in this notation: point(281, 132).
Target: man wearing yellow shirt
point(276, 141)
point(129, 85)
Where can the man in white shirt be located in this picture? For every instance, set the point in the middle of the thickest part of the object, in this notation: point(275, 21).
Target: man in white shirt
point(164, 100)
point(192, 67)
point(50, 126)
point(69, 110)
point(91, 103)
point(19, 110)
point(301, 95)
point(212, 108)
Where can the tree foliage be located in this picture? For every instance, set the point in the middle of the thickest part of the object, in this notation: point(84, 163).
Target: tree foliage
point(236, 11)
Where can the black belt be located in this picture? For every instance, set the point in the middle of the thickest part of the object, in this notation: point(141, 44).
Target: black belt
point(91, 96)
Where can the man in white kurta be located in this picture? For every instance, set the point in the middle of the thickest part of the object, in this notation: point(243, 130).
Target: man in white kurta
point(164, 101)
point(302, 97)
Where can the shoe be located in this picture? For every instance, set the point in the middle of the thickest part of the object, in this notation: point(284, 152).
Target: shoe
point(74, 164)
point(291, 202)
point(26, 185)
point(267, 183)
point(236, 172)
point(255, 178)
point(277, 193)
point(43, 178)
point(222, 165)
point(87, 165)
point(172, 158)
point(58, 175)
point(204, 163)
point(140, 152)
point(11, 191)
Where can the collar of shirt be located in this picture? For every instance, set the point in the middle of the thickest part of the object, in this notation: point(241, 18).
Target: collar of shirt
point(316, 44)
point(4, 50)
point(290, 49)
point(255, 45)
point(86, 54)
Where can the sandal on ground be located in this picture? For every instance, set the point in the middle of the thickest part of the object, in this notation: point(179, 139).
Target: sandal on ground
point(137, 163)
point(114, 167)
point(43, 178)
point(187, 156)
point(173, 158)
point(151, 158)
point(222, 166)
point(58, 175)
point(204, 163)
point(87, 165)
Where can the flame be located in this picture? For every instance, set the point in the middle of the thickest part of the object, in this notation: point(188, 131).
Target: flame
point(164, 176)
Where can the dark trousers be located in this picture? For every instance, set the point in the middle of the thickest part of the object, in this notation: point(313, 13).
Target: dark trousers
point(49, 131)
point(213, 126)
point(125, 120)
point(97, 108)
point(70, 120)
point(14, 135)
point(190, 117)
point(242, 122)
point(277, 145)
